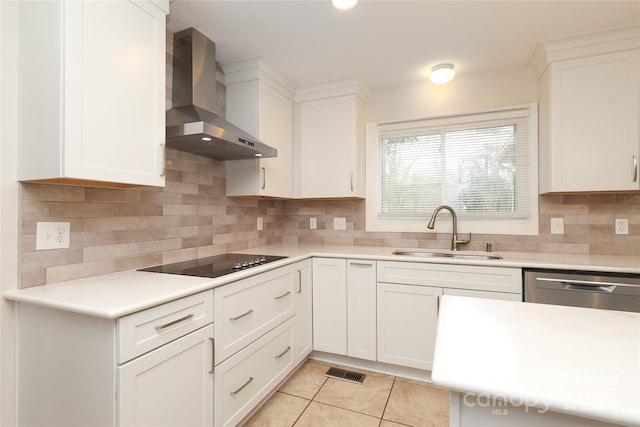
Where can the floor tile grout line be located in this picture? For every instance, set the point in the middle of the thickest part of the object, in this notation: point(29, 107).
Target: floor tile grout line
point(388, 398)
point(310, 400)
point(301, 413)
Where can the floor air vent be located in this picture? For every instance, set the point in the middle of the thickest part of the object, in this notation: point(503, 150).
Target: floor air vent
point(345, 375)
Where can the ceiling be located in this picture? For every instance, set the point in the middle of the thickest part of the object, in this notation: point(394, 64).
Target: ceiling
point(391, 42)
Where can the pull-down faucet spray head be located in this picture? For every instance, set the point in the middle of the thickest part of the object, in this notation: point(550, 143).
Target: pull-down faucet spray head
point(454, 235)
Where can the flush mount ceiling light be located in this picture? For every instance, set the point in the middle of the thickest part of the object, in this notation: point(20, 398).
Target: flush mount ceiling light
point(441, 74)
point(343, 4)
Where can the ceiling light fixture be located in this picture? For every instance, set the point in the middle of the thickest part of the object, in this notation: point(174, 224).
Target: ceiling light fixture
point(343, 4)
point(442, 73)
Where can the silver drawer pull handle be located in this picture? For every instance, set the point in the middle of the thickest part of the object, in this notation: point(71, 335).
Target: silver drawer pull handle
point(182, 319)
point(233, 393)
point(283, 295)
point(242, 315)
point(284, 352)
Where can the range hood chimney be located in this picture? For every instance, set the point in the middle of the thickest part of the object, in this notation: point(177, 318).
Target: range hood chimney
point(192, 125)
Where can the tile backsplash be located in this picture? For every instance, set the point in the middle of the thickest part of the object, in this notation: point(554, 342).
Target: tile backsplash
point(588, 227)
point(121, 229)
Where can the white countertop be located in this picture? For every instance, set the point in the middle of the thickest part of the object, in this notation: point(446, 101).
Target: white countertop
point(578, 361)
point(119, 294)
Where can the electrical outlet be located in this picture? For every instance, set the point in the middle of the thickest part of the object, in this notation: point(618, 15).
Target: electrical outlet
point(313, 223)
point(340, 223)
point(557, 225)
point(622, 226)
point(260, 224)
point(52, 235)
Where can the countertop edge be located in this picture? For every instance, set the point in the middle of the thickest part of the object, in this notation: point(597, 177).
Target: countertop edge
point(299, 252)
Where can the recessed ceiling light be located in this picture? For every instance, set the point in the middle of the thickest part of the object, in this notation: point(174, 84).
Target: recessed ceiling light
point(343, 4)
point(206, 138)
point(442, 73)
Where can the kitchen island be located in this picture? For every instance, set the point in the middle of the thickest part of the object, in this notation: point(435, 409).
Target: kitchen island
point(511, 363)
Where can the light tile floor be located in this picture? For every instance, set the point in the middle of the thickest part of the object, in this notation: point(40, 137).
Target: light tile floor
point(309, 398)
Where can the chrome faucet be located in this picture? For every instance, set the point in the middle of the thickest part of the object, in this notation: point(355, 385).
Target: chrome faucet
point(454, 236)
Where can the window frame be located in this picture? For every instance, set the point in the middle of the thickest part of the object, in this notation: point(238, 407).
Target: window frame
point(487, 223)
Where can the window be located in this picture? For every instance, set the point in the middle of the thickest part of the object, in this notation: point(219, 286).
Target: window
point(484, 165)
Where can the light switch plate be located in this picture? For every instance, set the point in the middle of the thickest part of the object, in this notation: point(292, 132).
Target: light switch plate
point(260, 224)
point(52, 235)
point(313, 223)
point(557, 225)
point(340, 223)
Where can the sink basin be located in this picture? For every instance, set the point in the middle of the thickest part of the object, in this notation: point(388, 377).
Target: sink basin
point(446, 254)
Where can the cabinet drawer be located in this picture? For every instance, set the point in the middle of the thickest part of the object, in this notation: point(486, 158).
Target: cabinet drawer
point(247, 309)
point(145, 330)
point(243, 380)
point(497, 279)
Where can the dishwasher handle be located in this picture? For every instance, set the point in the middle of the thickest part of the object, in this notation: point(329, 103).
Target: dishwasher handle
point(583, 285)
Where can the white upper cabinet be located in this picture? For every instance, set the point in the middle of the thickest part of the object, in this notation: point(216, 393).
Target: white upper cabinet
point(92, 92)
point(260, 101)
point(589, 97)
point(329, 137)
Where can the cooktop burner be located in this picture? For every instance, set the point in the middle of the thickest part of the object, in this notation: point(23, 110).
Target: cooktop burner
point(214, 266)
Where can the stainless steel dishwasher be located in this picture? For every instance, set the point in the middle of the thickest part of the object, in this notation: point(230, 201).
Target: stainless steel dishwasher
point(611, 291)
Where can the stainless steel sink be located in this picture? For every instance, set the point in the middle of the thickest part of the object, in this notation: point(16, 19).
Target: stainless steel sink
point(446, 254)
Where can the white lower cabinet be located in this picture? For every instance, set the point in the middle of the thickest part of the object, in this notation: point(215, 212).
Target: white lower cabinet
point(344, 307)
point(243, 380)
point(330, 305)
point(407, 320)
point(302, 306)
point(172, 385)
point(408, 295)
point(262, 328)
point(153, 367)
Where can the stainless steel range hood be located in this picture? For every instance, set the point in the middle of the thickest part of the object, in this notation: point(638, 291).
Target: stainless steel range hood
point(192, 125)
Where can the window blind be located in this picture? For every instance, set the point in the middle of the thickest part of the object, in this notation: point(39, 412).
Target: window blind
point(478, 164)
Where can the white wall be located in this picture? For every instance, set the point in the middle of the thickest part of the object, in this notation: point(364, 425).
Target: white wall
point(8, 206)
point(466, 92)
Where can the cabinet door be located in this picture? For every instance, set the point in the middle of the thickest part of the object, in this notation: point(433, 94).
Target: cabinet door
point(361, 309)
point(302, 328)
point(115, 92)
point(275, 128)
point(594, 123)
point(261, 110)
point(105, 113)
point(170, 386)
point(407, 320)
point(330, 305)
point(331, 148)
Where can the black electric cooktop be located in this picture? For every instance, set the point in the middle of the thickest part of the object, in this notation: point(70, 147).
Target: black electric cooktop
point(214, 266)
